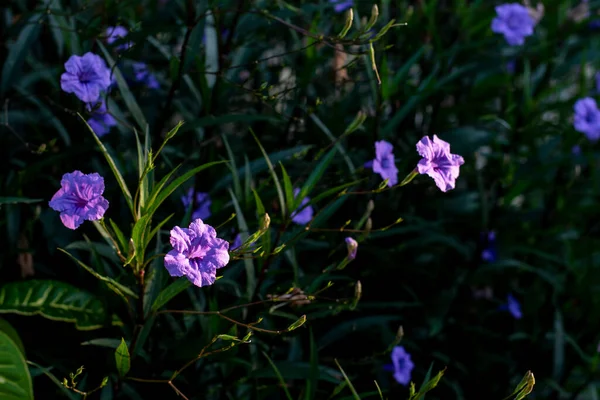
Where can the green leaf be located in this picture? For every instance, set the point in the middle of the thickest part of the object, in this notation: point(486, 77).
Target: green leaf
point(273, 175)
point(14, 374)
point(279, 377)
point(354, 394)
point(316, 175)
point(171, 291)
point(54, 300)
point(288, 189)
point(154, 282)
point(428, 386)
point(113, 167)
point(8, 330)
point(128, 97)
point(312, 381)
point(17, 200)
point(122, 358)
point(18, 51)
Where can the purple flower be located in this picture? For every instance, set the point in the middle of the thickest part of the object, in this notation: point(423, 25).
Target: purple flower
point(79, 198)
point(86, 76)
point(197, 253)
point(114, 34)
point(512, 306)
point(489, 253)
point(514, 22)
point(597, 79)
point(587, 118)
point(438, 162)
point(100, 121)
point(403, 365)
point(341, 5)
point(306, 214)
point(203, 203)
point(142, 75)
point(594, 24)
point(352, 246)
point(384, 164)
point(511, 66)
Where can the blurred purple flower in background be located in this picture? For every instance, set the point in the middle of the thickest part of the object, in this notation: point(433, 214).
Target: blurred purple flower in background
point(144, 76)
point(402, 365)
point(352, 246)
point(438, 162)
point(197, 253)
point(237, 242)
point(100, 121)
point(80, 198)
point(341, 5)
point(597, 79)
point(203, 203)
point(512, 306)
point(115, 33)
point(306, 214)
point(384, 163)
point(86, 77)
point(489, 252)
point(514, 22)
point(587, 118)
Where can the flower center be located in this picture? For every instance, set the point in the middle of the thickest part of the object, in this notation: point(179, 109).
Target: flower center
point(591, 118)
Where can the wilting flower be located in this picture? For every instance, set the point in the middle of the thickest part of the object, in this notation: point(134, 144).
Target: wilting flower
point(384, 163)
point(489, 252)
point(352, 246)
point(100, 121)
point(341, 5)
point(143, 75)
point(86, 76)
point(197, 253)
point(402, 364)
point(203, 203)
point(587, 118)
point(438, 162)
point(115, 33)
point(512, 306)
point(580, 12)
point(514, 22)
point(79, 198)
point(304, 216)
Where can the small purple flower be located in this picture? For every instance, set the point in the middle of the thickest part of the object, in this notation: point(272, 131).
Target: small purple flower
point(86, 76)
point(143, 75)
point(116, 33)
point(587, 118)
point(384, 163)
point(341, 5)
point(489, 253)
point(352, 246)
point(438, 162)
point(403, 365)
point(594, 24)
point(513, 306)
point(79, 198)
point(100, 121)
point(306, 214)
point(203, 203)
point(514, 22)
point(197, 253)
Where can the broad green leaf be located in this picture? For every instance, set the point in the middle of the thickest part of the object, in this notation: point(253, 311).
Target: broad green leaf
point(17, 200)
point(15, 381)
point(9, 331)
point(128, 97)
point(18, 51)
point(111, 282)
point(113, 167)
point(171, 291)
point(122, 358)
point(57, 301)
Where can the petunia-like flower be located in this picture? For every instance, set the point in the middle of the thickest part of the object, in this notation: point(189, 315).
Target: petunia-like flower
point(489, 253)
point(306, 214)
point(197, 253)
point(79, 198)
point(402, 364)
point(341, 5)
point(86, 76)
point(514, 22)
point(384, 163)
point(352, 246)
point(438, 162)
point(587, 118)
point(512, 306)
point(100, 121)
point(144, 76)
point(115, 33)
point(203, 203)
